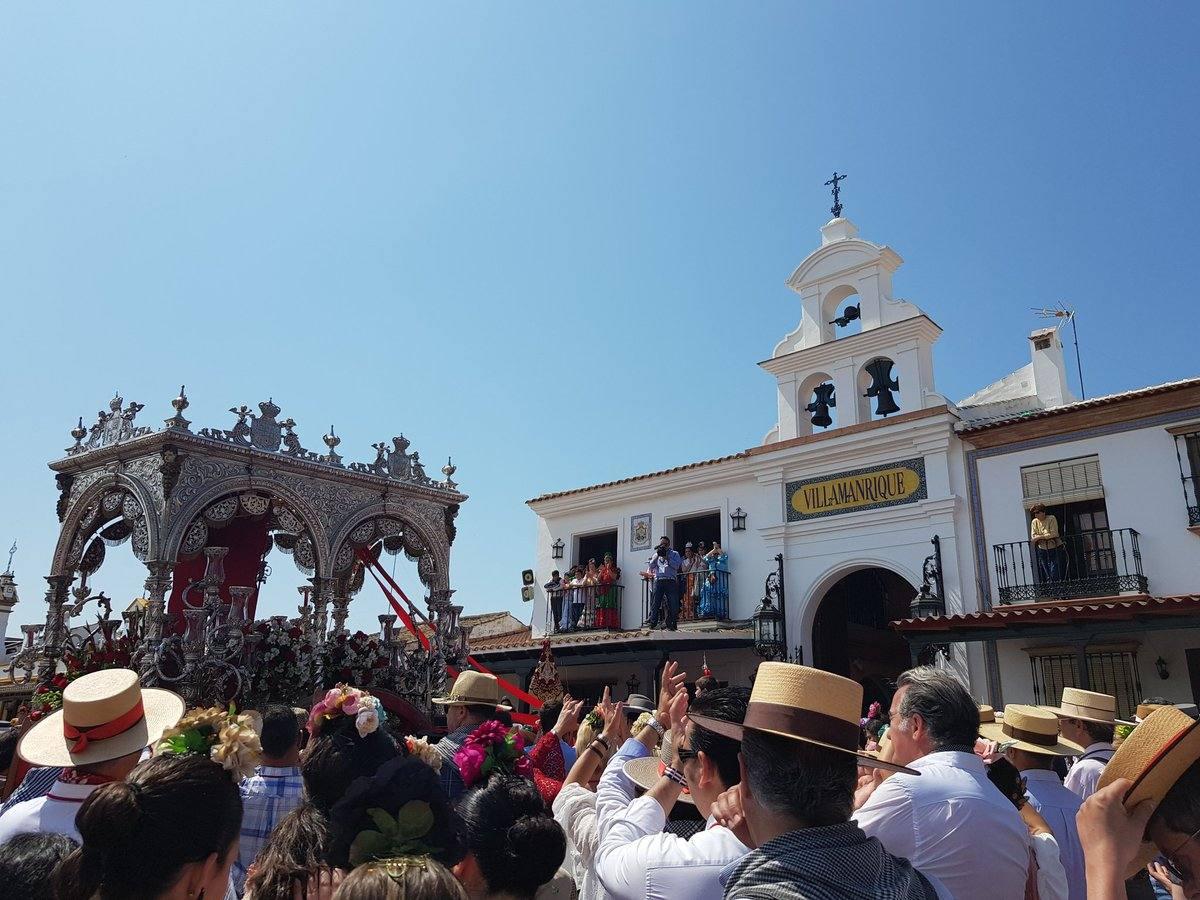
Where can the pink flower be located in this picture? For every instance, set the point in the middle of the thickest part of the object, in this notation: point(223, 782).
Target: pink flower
point(470, 762)
point(490, 732)
point(332, 696)
point(350, 705)
point(524, 767)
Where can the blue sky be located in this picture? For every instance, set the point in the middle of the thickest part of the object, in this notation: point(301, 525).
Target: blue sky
point(479, 224)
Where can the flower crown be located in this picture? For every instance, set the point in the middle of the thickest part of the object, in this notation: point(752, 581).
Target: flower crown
point(420, 748)
point(490, 748)
point(402, 836)
point(343, 700)
point(594, 720)
point(224, 736)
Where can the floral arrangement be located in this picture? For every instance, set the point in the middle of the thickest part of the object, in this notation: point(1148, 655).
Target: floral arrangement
point(395, 837)
point(594, 720)
point(343, 700)
point(282, 662)
point(224, 736)
point(490, 748)
point(421, 749)
point(47, 697)
point(358, 658)
point(874, 711)
point(640, 722)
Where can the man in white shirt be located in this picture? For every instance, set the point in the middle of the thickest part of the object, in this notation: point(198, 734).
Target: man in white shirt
point(1089, 719)
point(950, 822)
point(98, 736)
point(635, 858)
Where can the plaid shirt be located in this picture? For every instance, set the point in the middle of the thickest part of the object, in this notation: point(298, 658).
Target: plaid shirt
point(834, 862)
point(267, 796)
point(36, 783)
point(452, 782)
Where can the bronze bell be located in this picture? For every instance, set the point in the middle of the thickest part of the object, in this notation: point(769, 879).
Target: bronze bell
point(820, 406)
point(882, 385)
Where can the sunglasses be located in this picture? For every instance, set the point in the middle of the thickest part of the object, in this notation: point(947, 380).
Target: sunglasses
point(1173, 868)
point(686, 753)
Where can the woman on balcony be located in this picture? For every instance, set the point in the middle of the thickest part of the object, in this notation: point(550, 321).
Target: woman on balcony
point(1047, 545)
point(714, 593)
point(607, 613)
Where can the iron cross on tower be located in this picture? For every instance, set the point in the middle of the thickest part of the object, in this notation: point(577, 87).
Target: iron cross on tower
point(836, 209)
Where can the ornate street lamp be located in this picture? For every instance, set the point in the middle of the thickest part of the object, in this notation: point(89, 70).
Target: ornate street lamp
point(556, 548)
point(739, 519)
point(768, 630)
point(633, 683)
point(926, 603)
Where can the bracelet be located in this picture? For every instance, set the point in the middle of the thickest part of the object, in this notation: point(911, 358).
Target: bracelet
point(656, 725)
point(601, 739)
point(675, 775)
point(592, 747)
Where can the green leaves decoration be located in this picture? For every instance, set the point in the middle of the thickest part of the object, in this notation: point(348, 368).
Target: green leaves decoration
point(399, 836)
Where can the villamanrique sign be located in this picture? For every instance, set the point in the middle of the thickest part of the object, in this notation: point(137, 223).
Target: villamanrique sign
point(875, 487)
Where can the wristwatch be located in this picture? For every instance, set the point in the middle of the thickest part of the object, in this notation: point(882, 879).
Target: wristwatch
point(653, 722)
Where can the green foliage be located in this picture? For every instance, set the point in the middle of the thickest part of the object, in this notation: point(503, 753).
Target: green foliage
point(399, 836)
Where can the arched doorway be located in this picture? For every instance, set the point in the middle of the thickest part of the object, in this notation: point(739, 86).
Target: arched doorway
point(851, 635)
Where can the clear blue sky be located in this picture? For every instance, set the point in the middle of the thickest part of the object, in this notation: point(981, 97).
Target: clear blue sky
point(477, 223)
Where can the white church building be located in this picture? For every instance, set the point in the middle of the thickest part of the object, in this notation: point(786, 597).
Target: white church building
point(872, 488)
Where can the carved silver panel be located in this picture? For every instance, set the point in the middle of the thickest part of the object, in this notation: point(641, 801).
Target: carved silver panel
point(255, 504)
point(130, 508)
point(195, 539)
point(288, 520)
point(362, 535)
point(112, 503)
point(306, 561)
point(141, 538)
point(388, 527)
point(343, 560)
point(221, 511)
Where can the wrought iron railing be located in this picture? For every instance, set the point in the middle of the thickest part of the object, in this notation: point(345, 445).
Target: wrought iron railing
point(1187, 447)
point(1191, 496)
point(583, 608)
point(703, 595)
point(1087, 564)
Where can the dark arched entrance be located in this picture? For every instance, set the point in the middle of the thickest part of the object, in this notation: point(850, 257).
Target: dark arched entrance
point(851, 635)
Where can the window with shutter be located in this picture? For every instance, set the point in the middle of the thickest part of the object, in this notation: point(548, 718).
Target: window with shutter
point(1064, 481)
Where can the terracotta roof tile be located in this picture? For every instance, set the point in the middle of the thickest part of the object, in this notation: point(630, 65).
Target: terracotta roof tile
point(1106, 400)
point(606, 484)
point(1055, 612)
point(524, 640)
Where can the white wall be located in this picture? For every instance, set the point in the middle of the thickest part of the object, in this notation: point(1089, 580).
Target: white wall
point(1142, 491)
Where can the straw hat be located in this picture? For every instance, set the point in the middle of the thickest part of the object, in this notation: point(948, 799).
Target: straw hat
point(1031, 729)
point(807, 705)
point(646, 771)
point(987, 715)
point(1154, 757)
point(1144, 709)
point(1088, 706)
point(473, 689)
point(105, 715)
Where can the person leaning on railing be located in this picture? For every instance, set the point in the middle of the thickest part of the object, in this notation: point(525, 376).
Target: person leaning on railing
point(1043, 535)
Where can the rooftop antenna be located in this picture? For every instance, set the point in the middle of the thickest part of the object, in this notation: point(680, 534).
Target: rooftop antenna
point(1064, 313)
point(12, 551)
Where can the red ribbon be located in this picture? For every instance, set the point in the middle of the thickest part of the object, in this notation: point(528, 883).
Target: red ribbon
point(84, 735)
point(376, 571)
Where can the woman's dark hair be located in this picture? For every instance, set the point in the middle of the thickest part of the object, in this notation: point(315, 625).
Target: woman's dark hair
point(515, 841)
point(1007, 779)
point(280, 732)
point(139, 833)
point(296, 847)
point(1180, 808)
point(548, 716)
point(28, 860)
point(1037, 508)
point(729, 705)
point(395, 784)
point(338, 755)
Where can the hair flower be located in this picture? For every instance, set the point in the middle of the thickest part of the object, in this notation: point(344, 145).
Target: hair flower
point(492, 748)
point(223, 735)
point(424, 751)
point(344, 700)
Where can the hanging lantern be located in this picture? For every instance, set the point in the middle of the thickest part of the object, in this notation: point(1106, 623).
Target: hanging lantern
point(557, 548)
point(820, 406)
point(768, 630)
point(882, 385)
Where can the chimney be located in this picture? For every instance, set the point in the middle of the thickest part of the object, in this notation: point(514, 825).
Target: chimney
point(1049, 371)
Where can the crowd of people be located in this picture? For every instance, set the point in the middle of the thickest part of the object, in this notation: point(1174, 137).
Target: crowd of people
point(776, 791)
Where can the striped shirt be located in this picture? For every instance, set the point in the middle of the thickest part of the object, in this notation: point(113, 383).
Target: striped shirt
point(449, 776)
point(267, 796)
point(833, 862)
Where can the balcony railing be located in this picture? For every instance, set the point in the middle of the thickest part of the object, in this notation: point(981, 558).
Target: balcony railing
point(1191, 496)
point(702, 596)
point(1088, 564)
point(584, 608)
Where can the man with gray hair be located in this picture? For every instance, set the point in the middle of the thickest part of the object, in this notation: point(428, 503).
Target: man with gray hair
point(950, 822)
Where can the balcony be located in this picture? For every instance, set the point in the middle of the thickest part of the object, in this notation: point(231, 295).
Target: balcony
point(1190, 496)
point(584, 608)
point(1088, 564)
point(703, 596)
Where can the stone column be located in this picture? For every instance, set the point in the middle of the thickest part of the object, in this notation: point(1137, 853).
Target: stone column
point(55, 634)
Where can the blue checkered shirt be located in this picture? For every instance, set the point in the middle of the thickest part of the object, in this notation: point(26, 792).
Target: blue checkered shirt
point(267, 796)
point(452, 782)
point(36, 783)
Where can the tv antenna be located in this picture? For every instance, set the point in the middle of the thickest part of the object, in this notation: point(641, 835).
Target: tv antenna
point(1064, 313)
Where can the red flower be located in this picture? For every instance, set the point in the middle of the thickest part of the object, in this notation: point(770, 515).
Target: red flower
point(295, 631)
point(59, 681)
point(42, 689)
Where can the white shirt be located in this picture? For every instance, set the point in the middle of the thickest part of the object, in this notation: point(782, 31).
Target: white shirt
point(1085, 774)
point(1051, 876)
point(52, 814)
point(1058, 806)
point(635, 859)
point(575, 810)
point(951, 822)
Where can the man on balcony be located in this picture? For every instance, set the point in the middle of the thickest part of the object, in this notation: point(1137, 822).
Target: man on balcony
point(663, 570)
point(1047, 545)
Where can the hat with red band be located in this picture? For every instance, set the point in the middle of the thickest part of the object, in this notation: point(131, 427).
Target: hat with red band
point(105, 715)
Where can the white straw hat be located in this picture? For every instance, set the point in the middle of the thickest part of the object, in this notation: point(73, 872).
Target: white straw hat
point(1088, 706)
point(105, 715)
point(1029, 728)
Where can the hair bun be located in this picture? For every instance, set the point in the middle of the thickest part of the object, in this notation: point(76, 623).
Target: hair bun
point(538, 842)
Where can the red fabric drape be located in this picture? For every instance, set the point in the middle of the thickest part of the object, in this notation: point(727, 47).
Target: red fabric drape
point(247, 540)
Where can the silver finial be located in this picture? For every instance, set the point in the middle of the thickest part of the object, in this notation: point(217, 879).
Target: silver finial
point(449, 468)
point(179, 404)
point(331, 441)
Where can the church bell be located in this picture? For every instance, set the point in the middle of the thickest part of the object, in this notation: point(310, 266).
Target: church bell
point(882, 385)
point(820, 405)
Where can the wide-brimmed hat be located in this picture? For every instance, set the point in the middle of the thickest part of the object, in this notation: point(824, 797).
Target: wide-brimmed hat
point(636, 704)
point(987, 715)
point(1088, 706)
point(646, 771)
point(105, 715)
point(473, 689)
point(1029, 728)
point(804, 704)
point(1144, 710)
point(1154, 756)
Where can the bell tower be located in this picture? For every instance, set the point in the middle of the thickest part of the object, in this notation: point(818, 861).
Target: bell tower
point(857, 354)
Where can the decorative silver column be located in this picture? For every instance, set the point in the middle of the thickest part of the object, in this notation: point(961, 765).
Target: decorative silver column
point(55, 634)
